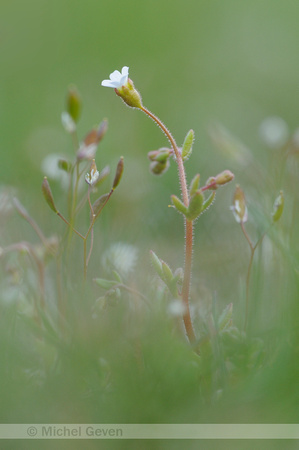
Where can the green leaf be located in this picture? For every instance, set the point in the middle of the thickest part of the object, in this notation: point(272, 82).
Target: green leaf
point(167, 273)
point(207, 203)
point(187, 145)
point(105, 284)
point(179, 205)
point(194, 185)
point(157, 264)
point(225, 320)
point(195, 205)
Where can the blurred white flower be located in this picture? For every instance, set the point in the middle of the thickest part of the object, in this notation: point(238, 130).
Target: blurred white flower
point(51, 169)
point(274, 132)
point(120, 257)
point(68, 122)
point(117, 79)
point(176, 308)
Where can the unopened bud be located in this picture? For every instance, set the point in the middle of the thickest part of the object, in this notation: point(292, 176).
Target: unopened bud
point(89, 146)
point(211, 184)
point(239, 207)
point(118, 173)
point(73, 103)
point(157, 168)
point(160, 155)
point(224, 177)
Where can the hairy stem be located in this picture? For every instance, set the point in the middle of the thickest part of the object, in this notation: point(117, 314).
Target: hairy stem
point(188, 226)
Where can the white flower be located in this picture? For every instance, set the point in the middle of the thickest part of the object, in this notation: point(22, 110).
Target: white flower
point(92, 178)
point(68, 122)
point(121, 257)
point(241, 215)
point(117, 79)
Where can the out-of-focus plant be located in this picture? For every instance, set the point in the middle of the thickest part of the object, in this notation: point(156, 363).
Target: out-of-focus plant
point(85, 155)
point(239, 209)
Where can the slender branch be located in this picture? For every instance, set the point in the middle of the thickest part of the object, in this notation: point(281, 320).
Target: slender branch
point(67, 222)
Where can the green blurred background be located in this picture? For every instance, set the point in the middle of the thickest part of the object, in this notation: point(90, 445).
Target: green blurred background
point(194, 62)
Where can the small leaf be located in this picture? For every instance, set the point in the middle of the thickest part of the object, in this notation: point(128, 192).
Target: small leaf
point(64, 165)
point(194, 185)
point(167, 273)
point(179, 205)
point(187, 145)
point(207, 203)
point(48, 194)
point(117, 276)
point(157, 264)
point(105, 284)
point(225, 320)
point(195, 205)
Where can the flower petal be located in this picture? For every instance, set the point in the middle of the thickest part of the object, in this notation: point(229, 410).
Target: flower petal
point(115, 76)
point(109, 83)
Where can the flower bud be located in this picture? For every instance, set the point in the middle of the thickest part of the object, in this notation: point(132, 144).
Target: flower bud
point(73, 103)
point(118, 173)
point(160, 155)
point(129, 94)
point(64, 165)
point(224, 177)
point(278, 207)
point(48, 195)
point(89, 146)
point(239, 207)
point(211, 183)
point(157, 168)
